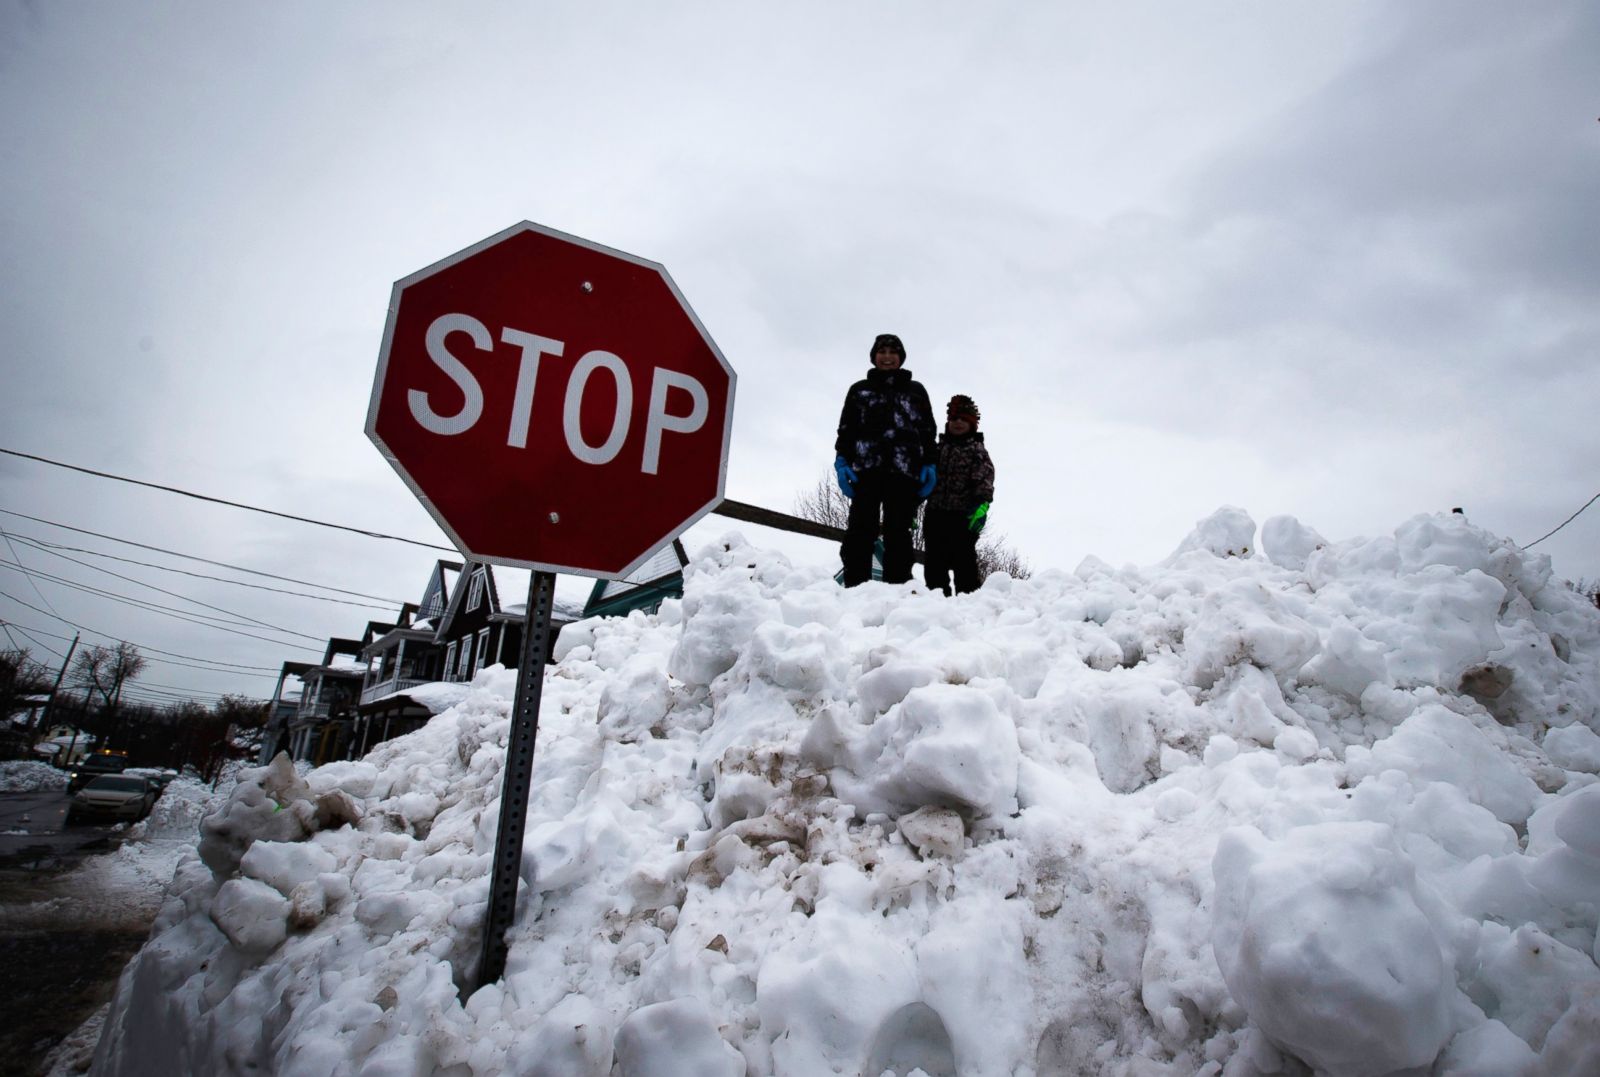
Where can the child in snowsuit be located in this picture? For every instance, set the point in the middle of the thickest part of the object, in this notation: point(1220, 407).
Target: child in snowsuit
point(959, 506)
point(885, 462)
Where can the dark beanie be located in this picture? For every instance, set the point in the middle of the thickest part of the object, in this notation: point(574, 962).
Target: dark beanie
point(887, 340)
point(962, 407)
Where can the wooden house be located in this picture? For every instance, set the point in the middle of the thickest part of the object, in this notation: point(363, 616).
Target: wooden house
point(483, 623)
point(329, 694)
point(405, 655)
point(399, 674)
point(285, 705)
point(400, 661)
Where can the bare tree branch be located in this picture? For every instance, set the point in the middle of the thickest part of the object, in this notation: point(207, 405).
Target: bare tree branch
point(104, 670)
point(823, 504)
point(996, 555)
point(21, 680)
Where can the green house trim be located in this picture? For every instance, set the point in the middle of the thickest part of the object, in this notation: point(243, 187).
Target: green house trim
point(608, 599)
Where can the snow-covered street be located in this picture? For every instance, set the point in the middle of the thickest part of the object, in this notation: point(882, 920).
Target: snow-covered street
point(75, 903)
point(1314, 807)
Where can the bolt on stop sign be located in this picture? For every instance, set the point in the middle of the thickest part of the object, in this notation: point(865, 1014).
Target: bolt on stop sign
point(554, 403)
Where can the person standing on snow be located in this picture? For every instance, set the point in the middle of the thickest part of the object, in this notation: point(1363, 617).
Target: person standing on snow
point(959, 506)
point(885, 450)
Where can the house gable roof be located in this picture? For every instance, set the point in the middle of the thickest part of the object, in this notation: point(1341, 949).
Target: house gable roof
point(338, 645)
point(463, 591)
point(658, 577)
point(375, 629)
point(436, 592)
point(506, 590)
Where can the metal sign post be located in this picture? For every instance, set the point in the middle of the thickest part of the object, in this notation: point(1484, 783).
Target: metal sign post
point(518, 777)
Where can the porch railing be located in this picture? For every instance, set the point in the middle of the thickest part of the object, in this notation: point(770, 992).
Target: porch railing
point(391, 686)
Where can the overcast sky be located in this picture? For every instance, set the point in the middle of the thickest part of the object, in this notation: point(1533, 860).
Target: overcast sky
point(1338, 261)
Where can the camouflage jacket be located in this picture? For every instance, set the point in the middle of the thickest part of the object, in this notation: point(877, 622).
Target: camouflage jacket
point(966, 474)
point(887, 425)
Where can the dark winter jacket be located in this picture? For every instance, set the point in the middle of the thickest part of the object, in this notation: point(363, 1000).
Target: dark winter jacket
point(887, 425)
point(966, 474)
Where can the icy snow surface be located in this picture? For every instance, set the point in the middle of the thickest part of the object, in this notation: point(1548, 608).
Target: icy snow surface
point(123, 888)
point(1282, 807)
point(437, 696)
point(30, 776)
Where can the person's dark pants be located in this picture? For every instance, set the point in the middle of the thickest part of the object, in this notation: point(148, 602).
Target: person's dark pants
point(884, 503)
point(950, 548)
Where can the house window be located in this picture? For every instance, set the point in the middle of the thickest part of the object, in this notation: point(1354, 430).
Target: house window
point(475, 595)
point(464, 670)
point(483, 648)
point(450, 662)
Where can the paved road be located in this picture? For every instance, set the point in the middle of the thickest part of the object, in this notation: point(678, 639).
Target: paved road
point(34, 835)
point(71, 970)
point(70, 975)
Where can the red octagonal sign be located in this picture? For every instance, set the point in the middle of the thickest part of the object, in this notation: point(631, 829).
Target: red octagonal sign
point(554, 403)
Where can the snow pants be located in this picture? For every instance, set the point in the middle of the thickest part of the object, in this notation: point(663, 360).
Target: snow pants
point(884, 503)
point(950, 548)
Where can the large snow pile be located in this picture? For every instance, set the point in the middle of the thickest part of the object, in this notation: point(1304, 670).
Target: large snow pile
point(177, 812)
point(30, 776)
point(1261, 809)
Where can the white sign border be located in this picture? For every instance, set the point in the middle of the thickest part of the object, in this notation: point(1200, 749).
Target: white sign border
point(433, 510)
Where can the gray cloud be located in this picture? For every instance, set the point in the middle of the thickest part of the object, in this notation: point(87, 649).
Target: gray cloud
point(1332, 260)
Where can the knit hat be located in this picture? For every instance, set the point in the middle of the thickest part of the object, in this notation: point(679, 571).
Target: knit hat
point(887, 340)
point(962, 407)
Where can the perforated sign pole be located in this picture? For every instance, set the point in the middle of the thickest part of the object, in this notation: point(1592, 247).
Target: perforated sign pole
point(518, 778)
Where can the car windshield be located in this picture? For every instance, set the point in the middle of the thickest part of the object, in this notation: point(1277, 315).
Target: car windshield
point(117, 784)
point(105, 762)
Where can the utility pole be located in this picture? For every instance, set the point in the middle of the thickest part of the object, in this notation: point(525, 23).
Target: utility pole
point(44, 715)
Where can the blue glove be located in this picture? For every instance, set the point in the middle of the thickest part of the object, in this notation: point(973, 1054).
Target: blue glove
point(979, 517)
point(846, 476)
point(929, 477)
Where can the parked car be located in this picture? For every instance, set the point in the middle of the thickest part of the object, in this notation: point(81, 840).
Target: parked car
point(116, 796)
point(93, 766)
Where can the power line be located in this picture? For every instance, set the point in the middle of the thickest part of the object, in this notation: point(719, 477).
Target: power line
point(180, 688)
point(202, 560)
point(1562, 524)
point(224, 501)
point(203, 620)
point(142, 647)
point(161, 700)
point(39, 631)
point(31, 582)
point(175, 594)
point(268, 674)
point(46, 546)
point(37, 642)
point(171, 690)
point(144, 693)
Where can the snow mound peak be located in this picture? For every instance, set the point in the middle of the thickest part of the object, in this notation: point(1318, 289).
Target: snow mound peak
point(1334, 804)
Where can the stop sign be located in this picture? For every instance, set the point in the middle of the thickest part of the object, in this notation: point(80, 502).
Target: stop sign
point(554, 403)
